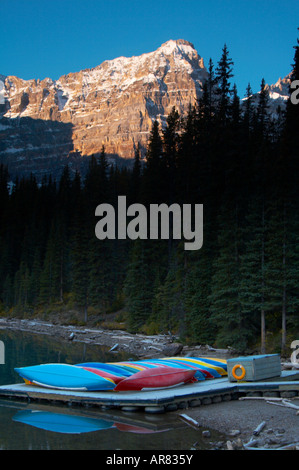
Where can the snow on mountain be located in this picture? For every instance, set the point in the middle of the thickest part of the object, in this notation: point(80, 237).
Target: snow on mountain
point(45, 122)
point(278, 94)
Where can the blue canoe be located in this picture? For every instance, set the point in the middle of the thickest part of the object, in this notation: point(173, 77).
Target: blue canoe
point(62, 423)
point(64, 377)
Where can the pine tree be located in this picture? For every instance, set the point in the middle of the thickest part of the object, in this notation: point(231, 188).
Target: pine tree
point(187, 161)
point(101, 272)
point(34, 285)
point(136, 175)
point(252, 270)
point(80, 269)
point(139, 286)
point(291, 269)
point(79, 243)
point(248, 109)
point(211, 90)
point(4, 197)
point(154, 173)
point(170, 153)
point(234, 169)
point(282, 266)
point(169, 301)
point(262, 109)
point(8, 292)
point(235, 109)
point(93, 190)
point(21, 288)
point(225, 305)
point(103, 174)
point(223, 75)
point(53, 276)
point(199, 327)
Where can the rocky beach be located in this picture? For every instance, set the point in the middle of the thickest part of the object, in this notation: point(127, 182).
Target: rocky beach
point(249, 424)
point(138, 345)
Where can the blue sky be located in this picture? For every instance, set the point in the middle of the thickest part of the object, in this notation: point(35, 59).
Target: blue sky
point(51, 38)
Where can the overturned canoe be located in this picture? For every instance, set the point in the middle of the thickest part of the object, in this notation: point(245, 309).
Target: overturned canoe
point(109, 367)
point(215, 368)
point(65, 377)
point(200, 373)
point(129, 366)
point(156, 378)
point(202, 370)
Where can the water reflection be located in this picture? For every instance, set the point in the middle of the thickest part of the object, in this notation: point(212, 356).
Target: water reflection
point(37, 427)
point(67, 423)
point(62, 423)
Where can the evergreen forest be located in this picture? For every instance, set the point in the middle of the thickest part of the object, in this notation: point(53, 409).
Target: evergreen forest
point(241, 289)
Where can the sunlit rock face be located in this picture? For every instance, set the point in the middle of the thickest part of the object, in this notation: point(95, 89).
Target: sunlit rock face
point(45, 124)
point(113, 104)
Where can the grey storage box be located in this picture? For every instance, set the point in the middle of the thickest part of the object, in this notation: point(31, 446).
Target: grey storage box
point(254, 368)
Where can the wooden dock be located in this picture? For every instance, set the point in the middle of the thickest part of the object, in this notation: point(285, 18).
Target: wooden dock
point(159, 401)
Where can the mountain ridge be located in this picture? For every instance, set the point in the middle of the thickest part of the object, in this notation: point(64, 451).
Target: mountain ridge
point(113, 104)
point(47, 122)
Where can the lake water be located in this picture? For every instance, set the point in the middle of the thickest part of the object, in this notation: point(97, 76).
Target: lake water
point(33, 426)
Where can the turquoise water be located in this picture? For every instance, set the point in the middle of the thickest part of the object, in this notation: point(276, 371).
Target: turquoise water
point(35, 426)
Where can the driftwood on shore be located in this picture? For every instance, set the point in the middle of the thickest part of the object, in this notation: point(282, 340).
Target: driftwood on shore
point(260, 427)
point(255, 444)
point(192, 422)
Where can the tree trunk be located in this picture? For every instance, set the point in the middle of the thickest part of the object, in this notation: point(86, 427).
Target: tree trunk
point(61, 277)
point(263, 319)
point(263, 332)
point(284, 292)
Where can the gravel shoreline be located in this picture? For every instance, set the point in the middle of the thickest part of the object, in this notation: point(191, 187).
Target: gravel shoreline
point(239, 419)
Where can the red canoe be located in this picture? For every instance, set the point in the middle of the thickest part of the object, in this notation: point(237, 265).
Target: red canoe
point(159, 377)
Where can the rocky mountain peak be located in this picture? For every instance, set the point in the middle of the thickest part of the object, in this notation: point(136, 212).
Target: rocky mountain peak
point(177, 46)
point(44, 123)
point(113, 104)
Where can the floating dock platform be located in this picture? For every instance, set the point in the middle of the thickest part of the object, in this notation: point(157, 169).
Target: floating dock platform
point(159, 401)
